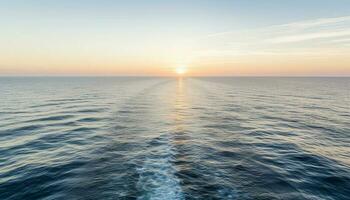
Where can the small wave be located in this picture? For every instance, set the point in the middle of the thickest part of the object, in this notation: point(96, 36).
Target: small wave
point(91, 110)
point(20, 130)
point(52, 118)
point(89, 119)
point(67, 100)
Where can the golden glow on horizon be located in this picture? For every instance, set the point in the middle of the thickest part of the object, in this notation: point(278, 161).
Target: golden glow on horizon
point(128, 40)
point(180, 70)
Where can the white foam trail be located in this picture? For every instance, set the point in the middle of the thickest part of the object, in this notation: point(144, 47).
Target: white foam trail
point(157, 177)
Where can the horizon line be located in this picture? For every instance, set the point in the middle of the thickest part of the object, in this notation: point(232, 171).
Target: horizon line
point(165, 76)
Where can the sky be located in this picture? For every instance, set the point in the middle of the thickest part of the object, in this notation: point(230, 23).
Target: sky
point(156, 37)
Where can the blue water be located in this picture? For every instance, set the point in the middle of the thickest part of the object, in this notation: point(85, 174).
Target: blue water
point(168, 138)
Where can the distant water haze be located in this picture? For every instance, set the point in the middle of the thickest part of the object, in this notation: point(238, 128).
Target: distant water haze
point(174, 138)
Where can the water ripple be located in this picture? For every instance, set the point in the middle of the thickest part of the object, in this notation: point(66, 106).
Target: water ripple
point(163, 138)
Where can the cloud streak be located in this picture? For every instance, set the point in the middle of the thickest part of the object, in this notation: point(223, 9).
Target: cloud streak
point(320, 36)
point(318, 22)
point(310, 36)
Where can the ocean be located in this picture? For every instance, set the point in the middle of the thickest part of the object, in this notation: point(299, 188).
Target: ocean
point(174, 138)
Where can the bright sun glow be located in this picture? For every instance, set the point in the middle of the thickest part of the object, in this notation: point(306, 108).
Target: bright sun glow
point(181, 70)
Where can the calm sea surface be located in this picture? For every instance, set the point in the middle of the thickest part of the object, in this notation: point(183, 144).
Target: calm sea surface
point(168, 138)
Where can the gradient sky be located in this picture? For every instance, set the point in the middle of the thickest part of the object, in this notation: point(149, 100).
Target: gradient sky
point(153, 37)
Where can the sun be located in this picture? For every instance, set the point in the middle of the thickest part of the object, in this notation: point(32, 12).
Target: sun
point(181, 70)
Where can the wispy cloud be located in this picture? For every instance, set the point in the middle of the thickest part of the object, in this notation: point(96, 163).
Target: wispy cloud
point(310, 36)
point(318, 22)
point(324, 28)
point(307, 25)
point(318, 36)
